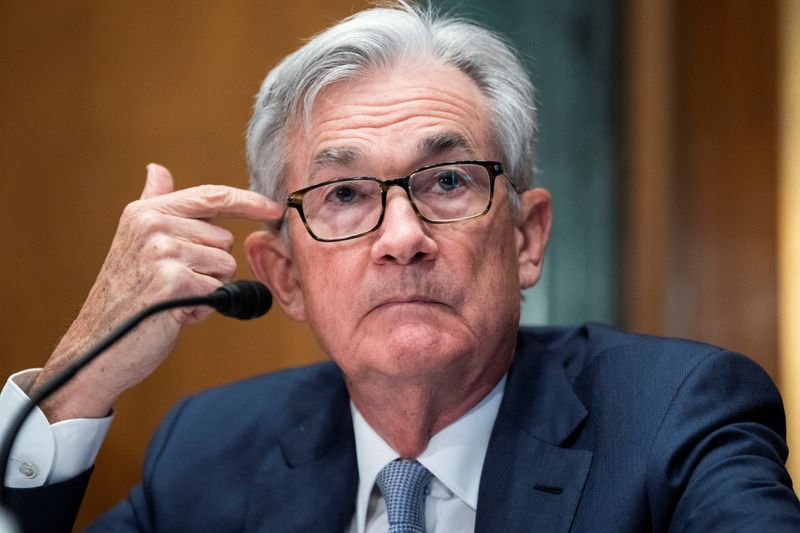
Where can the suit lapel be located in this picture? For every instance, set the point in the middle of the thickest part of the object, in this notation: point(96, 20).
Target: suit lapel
point(530, 482)
point(309, 483)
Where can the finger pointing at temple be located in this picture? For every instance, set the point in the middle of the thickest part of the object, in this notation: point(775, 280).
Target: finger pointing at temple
point(205, 201)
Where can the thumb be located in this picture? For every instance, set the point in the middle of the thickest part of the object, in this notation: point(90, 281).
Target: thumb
point(159, 181)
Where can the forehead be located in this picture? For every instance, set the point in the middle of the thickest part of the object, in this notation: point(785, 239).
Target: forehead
point(390, 121)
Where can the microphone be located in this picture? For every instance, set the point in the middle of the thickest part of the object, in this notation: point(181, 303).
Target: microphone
point(241, 299)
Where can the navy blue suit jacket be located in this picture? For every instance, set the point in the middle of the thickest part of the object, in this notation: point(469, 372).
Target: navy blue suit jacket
point(598, 431)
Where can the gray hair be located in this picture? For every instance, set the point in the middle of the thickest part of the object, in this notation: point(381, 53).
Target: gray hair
point(384, 37)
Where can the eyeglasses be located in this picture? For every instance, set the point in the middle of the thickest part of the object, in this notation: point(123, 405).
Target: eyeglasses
point(347, 208)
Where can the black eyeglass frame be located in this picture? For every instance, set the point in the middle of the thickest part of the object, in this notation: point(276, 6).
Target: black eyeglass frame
point(494, 168)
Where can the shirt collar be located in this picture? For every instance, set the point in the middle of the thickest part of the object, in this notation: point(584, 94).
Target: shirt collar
point(454, 455)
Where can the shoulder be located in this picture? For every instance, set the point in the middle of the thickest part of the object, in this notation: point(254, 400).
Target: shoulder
point(233, 437)
point(681, 427)
point(251, 413)
point(282, 396)
point(583, 343)
point(649, 381)
point(275, 390)
point(597, 352)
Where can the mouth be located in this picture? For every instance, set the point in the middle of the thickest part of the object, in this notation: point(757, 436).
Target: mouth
point(405, 300)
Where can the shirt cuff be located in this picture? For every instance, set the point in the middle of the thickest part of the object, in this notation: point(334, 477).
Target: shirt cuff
point(45, 453)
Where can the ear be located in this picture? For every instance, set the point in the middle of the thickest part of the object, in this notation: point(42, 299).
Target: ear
point(271, 261)
point(532, 234)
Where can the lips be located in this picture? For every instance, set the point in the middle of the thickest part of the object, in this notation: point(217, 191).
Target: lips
point(409, 300)
point(411, 290)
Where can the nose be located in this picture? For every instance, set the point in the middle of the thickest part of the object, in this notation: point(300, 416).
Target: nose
point(402, 237)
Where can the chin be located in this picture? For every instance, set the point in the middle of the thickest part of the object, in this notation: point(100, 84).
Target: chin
point(406, 341)
point(420, 348)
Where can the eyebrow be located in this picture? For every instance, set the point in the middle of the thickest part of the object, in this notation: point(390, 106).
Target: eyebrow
point(429, 146)
point(443, 142)
point(335, 156)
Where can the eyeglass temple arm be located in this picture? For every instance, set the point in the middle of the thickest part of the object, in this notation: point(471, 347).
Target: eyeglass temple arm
point(276, 225)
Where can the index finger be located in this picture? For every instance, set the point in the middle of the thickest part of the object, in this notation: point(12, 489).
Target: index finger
point(218, 201)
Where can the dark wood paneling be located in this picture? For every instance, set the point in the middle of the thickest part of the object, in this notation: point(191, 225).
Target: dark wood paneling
point(647, 147)
point(722, 283)
point(702, 129)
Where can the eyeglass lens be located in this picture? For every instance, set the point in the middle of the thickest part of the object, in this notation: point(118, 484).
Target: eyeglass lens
point(440, 194)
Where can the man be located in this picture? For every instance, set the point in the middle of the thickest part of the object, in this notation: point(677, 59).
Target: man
point(437, 412)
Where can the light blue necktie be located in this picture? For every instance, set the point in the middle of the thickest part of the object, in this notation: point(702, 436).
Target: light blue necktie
point(402, 483)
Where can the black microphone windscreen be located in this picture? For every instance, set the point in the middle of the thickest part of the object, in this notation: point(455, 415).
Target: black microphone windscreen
point(243, 299)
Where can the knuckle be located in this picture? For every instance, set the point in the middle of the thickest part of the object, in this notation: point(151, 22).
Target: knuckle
point(131, 211)
point(215, 195)
point(148, 221)
point(170, 275)
point(137, 219)
point(133, 207)
point(160, 246)
point(227, 239)
point(228, 265)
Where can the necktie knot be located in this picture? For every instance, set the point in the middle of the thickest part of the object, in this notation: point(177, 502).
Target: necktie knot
point(402, 483)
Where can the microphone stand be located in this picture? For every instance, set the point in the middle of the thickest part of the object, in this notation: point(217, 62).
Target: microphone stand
point(242, 299)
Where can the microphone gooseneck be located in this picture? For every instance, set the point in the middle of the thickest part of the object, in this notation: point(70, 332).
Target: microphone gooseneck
point(241, 299)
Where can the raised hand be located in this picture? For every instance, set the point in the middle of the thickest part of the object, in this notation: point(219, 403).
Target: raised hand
point(165, 247)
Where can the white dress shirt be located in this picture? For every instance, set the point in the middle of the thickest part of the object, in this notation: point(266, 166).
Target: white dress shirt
point(49, 453)
point(455, 458)
point(44, 452)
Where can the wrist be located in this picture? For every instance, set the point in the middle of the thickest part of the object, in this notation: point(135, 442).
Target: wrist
point(81, 397)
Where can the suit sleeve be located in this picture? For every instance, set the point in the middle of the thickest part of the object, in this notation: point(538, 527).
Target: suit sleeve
point(717, 462)
point(136, 513)
point(50, 508)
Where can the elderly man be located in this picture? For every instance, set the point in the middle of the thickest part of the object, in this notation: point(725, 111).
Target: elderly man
point(401, 145)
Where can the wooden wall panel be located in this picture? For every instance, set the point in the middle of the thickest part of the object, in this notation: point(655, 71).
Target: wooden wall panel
point(723, 269)
point(647, 146)
point(702, 130)
point(91, 92)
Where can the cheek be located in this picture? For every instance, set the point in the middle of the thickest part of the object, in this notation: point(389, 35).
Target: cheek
point(331, 285)
point(324, 287)
point(322, 299)
point(495, 269)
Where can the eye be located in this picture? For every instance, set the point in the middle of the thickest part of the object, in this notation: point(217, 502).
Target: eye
point(450, 180)
point(348, 193)
point(343, 194)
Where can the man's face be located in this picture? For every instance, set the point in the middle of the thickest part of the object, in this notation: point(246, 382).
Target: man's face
point(410, 300)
